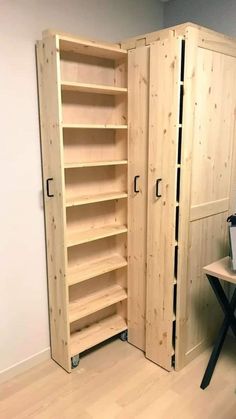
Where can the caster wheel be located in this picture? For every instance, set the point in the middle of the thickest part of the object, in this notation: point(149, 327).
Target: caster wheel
point(75, 361)
point(124, 336)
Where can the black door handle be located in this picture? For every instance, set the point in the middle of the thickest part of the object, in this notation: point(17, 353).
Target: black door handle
point(135, 183)
point(158, 194)
point(47, 187)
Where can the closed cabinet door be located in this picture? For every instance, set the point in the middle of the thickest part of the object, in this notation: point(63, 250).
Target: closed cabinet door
point(138, 84)
point(164, 131)
point(207, 183)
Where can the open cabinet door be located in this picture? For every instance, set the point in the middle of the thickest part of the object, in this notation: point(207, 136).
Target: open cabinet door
point(206, 183)
point(165, 86)
point(138, 82)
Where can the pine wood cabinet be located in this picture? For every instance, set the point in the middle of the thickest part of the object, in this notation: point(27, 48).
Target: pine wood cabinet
point(182, 98)
point(138, 146)
point(83, 113)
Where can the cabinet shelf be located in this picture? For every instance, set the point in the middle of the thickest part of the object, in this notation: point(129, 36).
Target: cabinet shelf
point(97, 333)
point(90, 199)
point(94, 126)
point(95, 268)
point(92, 88)
point(75, 238)
point(95, 164)
point(99, 300)
point(91, 48)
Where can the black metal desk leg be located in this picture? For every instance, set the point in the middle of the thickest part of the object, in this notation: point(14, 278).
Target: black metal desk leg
point(218, 344)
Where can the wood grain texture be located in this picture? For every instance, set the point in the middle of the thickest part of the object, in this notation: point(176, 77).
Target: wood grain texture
point(165, 61)
point(73, 227)
point(138, 76)
point(206, 179)
point(100, 388)
point(52, 146)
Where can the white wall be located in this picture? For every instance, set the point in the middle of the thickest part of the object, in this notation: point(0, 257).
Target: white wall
point(23, 289)
point(219, 15)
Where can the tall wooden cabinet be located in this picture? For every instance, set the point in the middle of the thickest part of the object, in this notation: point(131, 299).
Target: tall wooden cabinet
point(138, 145)
point(83, 113)
point(182, 97)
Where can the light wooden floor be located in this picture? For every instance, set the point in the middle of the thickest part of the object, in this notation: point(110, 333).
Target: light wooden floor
point(117, 381)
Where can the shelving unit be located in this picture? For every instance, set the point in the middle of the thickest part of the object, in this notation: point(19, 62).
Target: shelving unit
point(97, 333)
point(84, 145)
point(89, 199)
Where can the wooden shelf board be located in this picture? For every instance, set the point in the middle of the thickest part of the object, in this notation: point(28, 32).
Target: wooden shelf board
point(93, 234)
point(96, 301)
point(91, 48)
point(90, 199)
point(95, 268)
point(95, 164)
point(97, 333)
point(95, 126)
point(93, 88)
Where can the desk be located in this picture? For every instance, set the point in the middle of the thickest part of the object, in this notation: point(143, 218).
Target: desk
point(214, 272)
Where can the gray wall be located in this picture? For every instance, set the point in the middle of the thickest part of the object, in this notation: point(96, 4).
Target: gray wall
point(23, 287)
point(215, 14)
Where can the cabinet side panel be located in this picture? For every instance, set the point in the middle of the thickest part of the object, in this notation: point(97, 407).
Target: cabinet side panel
point(138, 82)
point(165, 57)
point(52, 147)
point(205, 196)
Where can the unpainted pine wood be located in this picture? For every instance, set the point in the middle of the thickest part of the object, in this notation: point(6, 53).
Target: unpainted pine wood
point(89, 253)
point(94, 145)
point(210, 208)
point(52, 148)
point(213, 126)
point(86, 289)
point(92, 88)
point(87, 108)
point(138, 82)
point(92, 319)
point(91, 48)
point(79, 68)
point(95, 164)
point(217, 42)
point(96, 301)
point(185, 191)
point(206, 37)
point(207, 243)
point(86, 217)
point(165, 61)
point(94, 269)
point(90, 199)
point(79, 39)
point(88, 182)
point(209, 105)
point(97, 333)
point(74, 238)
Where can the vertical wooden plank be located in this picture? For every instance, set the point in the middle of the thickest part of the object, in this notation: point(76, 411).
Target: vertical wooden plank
point(185, 194)
point(52, 153)
point(165, 59)
point(138, 76)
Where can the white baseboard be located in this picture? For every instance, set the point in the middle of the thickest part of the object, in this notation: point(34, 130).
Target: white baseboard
point(24, 365)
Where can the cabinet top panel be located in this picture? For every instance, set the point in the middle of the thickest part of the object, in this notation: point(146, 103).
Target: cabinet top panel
point(85, 46)
point(179, 30)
